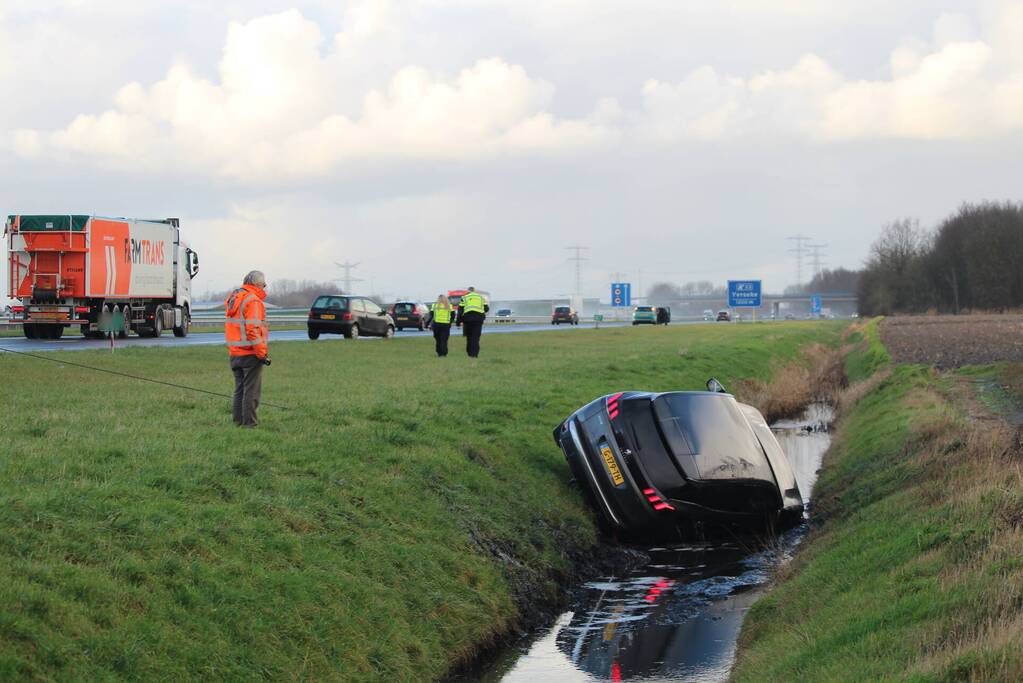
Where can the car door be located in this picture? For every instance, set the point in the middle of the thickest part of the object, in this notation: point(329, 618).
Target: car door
point(379, 317)
point(372, 316)
point(358, 309)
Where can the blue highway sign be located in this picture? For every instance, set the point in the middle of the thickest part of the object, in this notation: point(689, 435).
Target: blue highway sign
point(621, 294)
point(816, 305)
point(744, 293)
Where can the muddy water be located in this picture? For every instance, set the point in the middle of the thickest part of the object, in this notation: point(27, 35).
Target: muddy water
point(675, 619)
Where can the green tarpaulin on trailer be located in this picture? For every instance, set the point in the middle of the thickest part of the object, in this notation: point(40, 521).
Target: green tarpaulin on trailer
point(66, 223)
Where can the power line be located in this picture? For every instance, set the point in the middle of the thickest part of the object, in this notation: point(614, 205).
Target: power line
point(799, 250)
point(348, 279)
point(578, 258)
point(815, 257)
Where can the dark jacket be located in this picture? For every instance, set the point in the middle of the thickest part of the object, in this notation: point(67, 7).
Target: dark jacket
point(474, 315)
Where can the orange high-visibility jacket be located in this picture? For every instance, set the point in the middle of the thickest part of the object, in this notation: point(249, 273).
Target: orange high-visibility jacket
point(245, 329)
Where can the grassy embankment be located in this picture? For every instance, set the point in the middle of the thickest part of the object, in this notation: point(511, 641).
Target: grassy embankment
point(915, 571)
point(380, 529)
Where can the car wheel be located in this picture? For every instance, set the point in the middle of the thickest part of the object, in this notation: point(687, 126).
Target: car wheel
point(389, 333)
point(353, 333)
point(314, 334)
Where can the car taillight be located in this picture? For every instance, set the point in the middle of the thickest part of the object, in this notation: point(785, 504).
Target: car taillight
point(612, 405)
point(655, 500)
point(346, 316)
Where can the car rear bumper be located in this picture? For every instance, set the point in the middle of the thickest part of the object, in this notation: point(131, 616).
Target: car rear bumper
point(622, 506)
point(330, 326)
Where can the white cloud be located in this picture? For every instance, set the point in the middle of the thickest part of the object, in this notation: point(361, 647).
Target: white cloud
point(274, 111)
point(959, 89)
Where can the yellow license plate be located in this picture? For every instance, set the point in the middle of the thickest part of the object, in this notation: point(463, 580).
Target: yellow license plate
point(49, 315)
point(612, 466)
point(328, 316)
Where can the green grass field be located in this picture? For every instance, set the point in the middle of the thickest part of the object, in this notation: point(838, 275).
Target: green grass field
point(915, 572)
point(380, 529)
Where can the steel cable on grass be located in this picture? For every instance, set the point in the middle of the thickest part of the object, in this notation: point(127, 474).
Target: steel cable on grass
point(135, 377)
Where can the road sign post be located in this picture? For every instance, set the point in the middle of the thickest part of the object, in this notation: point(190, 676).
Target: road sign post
point(816, 304)
point(745, 294)
point(621, 295)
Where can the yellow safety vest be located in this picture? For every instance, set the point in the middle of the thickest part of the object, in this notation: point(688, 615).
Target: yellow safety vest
point(472, 303)
point(441, 314)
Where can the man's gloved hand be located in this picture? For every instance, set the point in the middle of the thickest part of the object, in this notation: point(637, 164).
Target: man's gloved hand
point(266, 360)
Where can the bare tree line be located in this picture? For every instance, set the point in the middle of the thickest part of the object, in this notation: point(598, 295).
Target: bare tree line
point(973, 260)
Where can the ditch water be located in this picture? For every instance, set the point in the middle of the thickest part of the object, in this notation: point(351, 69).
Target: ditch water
point(674, 619)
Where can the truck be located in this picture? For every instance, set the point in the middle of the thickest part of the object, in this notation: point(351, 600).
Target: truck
point(66, 270)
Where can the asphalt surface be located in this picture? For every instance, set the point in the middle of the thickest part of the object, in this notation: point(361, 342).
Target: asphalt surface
point(75, 343)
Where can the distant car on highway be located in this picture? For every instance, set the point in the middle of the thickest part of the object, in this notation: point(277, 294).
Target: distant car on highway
point(708, 314)
point(408, 314)
point(504, 315)
point(644, 315)
point(724, 316)
point(352, 316)
point(564, 314)
point(790, 316)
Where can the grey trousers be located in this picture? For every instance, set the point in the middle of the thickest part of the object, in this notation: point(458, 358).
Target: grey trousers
point(248, 385)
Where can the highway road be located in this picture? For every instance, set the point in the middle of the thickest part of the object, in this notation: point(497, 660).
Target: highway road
point(75, 343)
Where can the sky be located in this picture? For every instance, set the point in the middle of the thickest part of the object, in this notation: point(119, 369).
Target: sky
point(447, 143)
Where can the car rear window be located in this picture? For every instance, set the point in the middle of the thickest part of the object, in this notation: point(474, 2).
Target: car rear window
point(404, 308)
point(504, 311)
point(645, 309)
point(561, 309)
point(339, 302)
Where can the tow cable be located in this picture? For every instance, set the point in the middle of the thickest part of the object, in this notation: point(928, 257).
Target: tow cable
point(135, 377)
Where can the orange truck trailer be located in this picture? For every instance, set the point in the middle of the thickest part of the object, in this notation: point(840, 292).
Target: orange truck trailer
point(66, 270)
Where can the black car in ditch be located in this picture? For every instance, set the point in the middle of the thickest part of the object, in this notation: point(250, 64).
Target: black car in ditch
point(352, 316)
point(652, 462)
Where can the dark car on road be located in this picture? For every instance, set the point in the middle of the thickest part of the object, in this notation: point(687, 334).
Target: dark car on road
point(564, 314)
point(352, 316)
point(682, 460)
point(724, 316)
point(409, 314)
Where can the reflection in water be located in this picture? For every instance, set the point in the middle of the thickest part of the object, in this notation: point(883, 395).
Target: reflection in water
point(676, 618)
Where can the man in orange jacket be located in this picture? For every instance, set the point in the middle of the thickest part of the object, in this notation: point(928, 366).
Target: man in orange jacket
point(246, 334)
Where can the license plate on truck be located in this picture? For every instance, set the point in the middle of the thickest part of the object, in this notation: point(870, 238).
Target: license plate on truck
point(612, 466)
point(49, 315)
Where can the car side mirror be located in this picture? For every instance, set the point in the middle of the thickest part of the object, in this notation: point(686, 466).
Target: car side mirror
point(715, 386)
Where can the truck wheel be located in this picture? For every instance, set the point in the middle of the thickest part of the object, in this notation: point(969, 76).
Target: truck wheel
point(186, 321)
point(157, 323)
point(56, 332)
point(353, 332)
point(126, 312)
point(29, 330)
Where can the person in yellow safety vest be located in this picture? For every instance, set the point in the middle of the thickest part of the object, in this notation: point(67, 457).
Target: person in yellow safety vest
point(472, 311)
point(441, 313)
point(246, 334)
